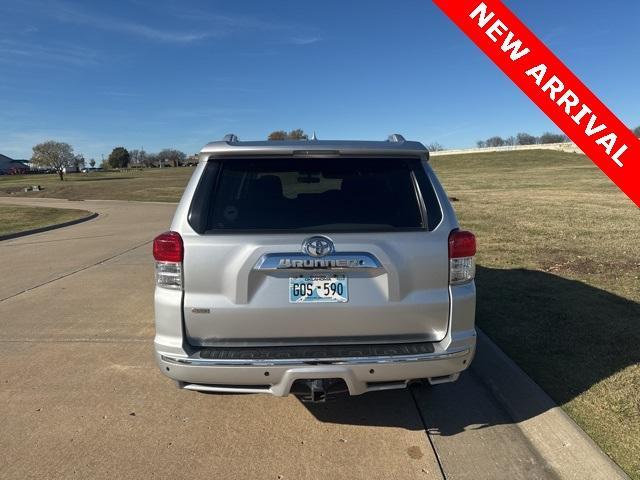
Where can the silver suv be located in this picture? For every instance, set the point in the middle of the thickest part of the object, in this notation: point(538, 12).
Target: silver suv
point(312, 268)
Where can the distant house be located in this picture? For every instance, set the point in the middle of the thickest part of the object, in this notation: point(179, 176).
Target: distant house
point(75, 168)
point(9, 165)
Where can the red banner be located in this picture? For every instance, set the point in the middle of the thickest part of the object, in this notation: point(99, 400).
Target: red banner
point(551, 85)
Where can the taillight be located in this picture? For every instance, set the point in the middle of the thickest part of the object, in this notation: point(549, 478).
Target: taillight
point(167, 247)
point(168, 251)
point(462, 250)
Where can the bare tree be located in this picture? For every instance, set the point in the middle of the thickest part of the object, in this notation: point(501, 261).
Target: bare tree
point(79, 161)
point(481, 144)
point(138, 157)
point(151, 160)
point(176, 157)
point(435, 147)
point(523, 138)
point(495, 142)
point(636, 132)
point(296, 134)
point(277, 135)
point(548, 137)
point(54, 155)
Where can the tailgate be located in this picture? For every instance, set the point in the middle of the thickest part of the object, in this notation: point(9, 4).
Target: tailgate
point(402, 295)
point(308, 250)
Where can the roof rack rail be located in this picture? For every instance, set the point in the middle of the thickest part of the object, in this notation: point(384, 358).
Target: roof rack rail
point(396, 138)
point(230, 138)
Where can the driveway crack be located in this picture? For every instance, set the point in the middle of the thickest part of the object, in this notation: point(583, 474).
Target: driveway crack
point(426, 432)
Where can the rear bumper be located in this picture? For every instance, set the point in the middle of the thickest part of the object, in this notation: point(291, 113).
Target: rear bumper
point(360, 373)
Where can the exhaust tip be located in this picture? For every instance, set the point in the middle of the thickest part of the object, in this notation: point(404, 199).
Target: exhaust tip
point(443, 379)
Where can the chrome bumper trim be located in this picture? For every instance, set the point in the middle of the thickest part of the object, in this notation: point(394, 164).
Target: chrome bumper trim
point(455, 353)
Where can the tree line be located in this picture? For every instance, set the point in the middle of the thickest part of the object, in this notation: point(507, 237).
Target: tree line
point(526, 139)
point(58, 156)
point(296, 134)
point(523, 138)
point(120, 157)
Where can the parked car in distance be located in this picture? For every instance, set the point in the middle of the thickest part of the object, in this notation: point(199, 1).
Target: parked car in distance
point(314, 268)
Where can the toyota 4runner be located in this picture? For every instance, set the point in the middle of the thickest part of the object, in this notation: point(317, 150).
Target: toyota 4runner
point(311, 268)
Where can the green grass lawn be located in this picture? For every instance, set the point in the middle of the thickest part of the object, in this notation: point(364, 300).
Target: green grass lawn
point(558, 277)
point(558, 282)
point(14, 218)
point(153, 184)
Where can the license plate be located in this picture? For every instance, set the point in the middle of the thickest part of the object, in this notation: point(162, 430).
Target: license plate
point(318, 289)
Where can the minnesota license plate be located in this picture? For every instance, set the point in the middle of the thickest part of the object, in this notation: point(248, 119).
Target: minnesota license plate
point(318, 289)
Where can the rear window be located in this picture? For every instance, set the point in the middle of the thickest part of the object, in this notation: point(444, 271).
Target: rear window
point(301, 194)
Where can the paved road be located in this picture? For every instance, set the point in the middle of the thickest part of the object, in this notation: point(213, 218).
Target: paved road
point(81, 396)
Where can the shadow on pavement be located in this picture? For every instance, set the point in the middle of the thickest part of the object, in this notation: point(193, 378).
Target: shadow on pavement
point(393, 408)
point(565, 334)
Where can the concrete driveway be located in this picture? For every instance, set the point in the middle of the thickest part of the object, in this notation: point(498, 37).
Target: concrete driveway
point(82, 398)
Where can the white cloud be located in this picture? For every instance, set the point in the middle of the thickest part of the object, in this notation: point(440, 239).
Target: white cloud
point(182, 23)
point(305, 40)
point(18, 52)
point(68, 13)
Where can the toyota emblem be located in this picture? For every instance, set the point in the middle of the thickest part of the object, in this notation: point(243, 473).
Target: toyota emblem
point(318, 246)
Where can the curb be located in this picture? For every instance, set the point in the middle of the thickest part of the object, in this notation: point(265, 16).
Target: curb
point(569, 451)
point(24, 233)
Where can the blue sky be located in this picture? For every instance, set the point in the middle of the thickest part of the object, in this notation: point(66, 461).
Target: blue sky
point(170, 73)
